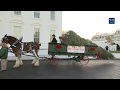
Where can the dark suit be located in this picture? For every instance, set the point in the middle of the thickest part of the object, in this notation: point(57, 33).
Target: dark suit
point(54, 40)
point(107, 48)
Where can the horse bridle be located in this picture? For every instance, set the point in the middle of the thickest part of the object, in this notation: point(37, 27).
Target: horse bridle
point(4, 38)
point(12, 44)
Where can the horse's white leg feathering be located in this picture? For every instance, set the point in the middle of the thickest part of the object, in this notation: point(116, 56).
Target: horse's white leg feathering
point(34, 61)
point(37, 63)
point(20, 61)
point(37, 59)
point(16, 63)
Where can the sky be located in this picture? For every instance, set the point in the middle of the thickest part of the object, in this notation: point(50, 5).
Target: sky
point(87, 23)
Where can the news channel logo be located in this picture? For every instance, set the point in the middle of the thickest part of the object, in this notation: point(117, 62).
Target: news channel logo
point(111, 20)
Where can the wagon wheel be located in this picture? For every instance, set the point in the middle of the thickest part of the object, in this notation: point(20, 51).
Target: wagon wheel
point(84, 60)
point(54, 60)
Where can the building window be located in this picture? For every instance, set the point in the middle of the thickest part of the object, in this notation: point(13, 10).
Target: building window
point(17, 12)
point(51, 33)
point(52, 15)
point(17, 31)
point(36, 14)
point(36, 35)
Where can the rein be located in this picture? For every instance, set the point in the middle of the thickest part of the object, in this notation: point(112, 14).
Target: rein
point(9, 50)
point(15, 43)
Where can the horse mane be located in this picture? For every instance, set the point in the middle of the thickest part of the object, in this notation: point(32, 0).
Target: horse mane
point(13, 37)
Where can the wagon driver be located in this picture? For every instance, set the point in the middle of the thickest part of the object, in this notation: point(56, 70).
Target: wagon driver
point(54, 39)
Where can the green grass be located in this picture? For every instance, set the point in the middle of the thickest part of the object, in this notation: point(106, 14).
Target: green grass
point(114, 51)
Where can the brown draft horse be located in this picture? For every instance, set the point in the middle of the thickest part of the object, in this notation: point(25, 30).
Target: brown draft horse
point(18, 47)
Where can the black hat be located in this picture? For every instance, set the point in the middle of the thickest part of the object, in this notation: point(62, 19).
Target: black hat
point(53, 35)
point(60, 37)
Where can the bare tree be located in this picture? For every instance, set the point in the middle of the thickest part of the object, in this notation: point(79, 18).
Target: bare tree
point(109, 40)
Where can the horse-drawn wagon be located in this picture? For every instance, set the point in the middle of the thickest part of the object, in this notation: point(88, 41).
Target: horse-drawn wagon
point(80, 53)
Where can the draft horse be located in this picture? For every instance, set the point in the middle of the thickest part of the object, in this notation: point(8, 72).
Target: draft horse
point(18, 48)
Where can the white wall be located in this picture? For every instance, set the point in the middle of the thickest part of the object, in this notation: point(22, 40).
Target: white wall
point(113, 47)
point(28, 23)
point(103, 45)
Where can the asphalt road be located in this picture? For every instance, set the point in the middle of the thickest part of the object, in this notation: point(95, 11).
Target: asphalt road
point(94, 70)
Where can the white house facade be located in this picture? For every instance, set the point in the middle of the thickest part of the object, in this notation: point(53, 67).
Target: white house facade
point(100, 40)
point(32, 25)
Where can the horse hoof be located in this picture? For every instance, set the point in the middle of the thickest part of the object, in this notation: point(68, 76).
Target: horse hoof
point(15, 66)
point(36, 65)
point(33, 62)
point(21, 64)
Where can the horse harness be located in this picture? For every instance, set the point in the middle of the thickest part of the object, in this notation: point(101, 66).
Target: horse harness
point(16, 42)
point(24, 45)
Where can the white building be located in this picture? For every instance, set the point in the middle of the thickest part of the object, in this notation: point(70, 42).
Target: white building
point(103, 45)
point(100, 40)
point(116, 36)
point(32, 25)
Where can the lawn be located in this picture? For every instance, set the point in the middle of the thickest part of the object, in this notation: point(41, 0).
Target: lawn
point(114, 51)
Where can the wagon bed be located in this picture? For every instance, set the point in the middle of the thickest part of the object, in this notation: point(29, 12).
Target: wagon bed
point(79, 53)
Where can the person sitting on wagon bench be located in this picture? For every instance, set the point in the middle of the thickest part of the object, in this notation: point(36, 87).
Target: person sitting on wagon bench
point(54, 39)
point(61, 39)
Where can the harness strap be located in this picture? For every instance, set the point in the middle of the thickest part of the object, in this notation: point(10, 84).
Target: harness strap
point(18, 40)
point(15, 43)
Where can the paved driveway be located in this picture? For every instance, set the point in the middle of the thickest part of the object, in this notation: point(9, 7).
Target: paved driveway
point(94, 70)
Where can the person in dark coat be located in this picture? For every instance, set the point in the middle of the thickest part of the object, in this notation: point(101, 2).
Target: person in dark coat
point(106, 48)
point(54, 39)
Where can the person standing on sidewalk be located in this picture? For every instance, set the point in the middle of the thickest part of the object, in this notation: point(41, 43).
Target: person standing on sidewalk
point(107, 48)
point(3, 56)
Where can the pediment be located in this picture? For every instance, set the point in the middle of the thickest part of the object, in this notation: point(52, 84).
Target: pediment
point(17, 21)
point(52, 26)
point(37, 24)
